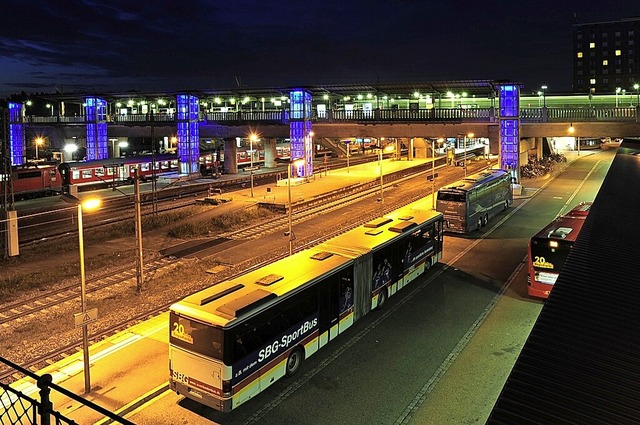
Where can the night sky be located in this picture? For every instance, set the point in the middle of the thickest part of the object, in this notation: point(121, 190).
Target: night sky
point(116, 46)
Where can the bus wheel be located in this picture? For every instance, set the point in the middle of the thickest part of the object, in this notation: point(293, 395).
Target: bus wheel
point(294, 361)
point(382, 297)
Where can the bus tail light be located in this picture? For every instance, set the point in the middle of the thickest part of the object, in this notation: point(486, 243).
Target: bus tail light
point(226, 388)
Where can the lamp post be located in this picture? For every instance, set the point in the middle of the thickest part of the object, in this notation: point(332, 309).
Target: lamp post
point(89, 205)
point(389, 148)
point(618, 90)
point(49, 105)
point(544, 96)
point(470, 136)
point(636, 87)
point(39, 141)
point(380, 171)
point(252, 137)
point(348, 154)
point(290, 164)
point(433, 173)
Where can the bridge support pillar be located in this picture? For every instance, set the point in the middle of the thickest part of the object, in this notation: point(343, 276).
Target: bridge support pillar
point(17, 149)
point(300, 131)
point(270, 152)
point(187, 114)
point(509, 123)
point(230, 156)
point(95, 112)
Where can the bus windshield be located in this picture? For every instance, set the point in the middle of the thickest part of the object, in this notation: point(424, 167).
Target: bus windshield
point(452, 196)
point(195, 336)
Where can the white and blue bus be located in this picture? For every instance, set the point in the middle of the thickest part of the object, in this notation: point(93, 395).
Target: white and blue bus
point(229, 342)
point(470, 203)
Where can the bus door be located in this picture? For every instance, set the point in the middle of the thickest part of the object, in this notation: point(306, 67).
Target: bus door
point(328, 306)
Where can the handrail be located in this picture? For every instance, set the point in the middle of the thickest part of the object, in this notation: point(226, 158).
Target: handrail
point(434, 115)
point(45, 407)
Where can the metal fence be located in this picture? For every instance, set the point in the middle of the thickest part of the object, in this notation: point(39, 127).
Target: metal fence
point(20, 409)
point(436, 115)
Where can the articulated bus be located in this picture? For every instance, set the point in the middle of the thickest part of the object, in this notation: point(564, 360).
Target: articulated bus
point(549, 249)
point(470, 203)
point(231, 341)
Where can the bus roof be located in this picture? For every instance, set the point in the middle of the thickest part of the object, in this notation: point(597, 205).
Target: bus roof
point(381, 231)
point(474, 180)
point(228, 301)
point(580, 210)
point(565, 228)
point(231, 301)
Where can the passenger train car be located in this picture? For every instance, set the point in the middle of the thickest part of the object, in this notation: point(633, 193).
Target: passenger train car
point(115, 171)
point(33, 180)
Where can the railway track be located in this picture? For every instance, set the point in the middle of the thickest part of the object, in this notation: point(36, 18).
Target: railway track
point(58, 221)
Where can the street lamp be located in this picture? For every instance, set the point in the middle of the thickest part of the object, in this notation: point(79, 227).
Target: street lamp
point(388, 148)
point(636, 87)
point(618, 90)
point(89, 205)
point(252, 137)
point(39, 141)
point(544, 96)
point(295, 163)
point(467, 136)
point(50, 106)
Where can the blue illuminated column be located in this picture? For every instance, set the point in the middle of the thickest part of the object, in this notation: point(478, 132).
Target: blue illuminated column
point(509, 120)
point(300, 130)
point(187, 111)
point(16, 133)
point(95, 111)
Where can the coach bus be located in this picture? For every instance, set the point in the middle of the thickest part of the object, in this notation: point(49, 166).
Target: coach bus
point(549, 249)
point(470, 203)
point(229, 342)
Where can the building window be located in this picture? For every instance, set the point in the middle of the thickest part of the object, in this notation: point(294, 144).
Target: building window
point(605, 53)
point(605, 81)
point(605, 34)
point(605, 62)
point(579, 54)
point(592, 45)
point(605, 44)
point(617, 33)
point(618, 52)
point(630, 33)
point(592, 81)
point(631, 43)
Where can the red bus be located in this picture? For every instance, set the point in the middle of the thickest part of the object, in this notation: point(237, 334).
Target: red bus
point(549, 248)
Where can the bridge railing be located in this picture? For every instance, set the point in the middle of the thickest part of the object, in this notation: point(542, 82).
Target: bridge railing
point(529, 115)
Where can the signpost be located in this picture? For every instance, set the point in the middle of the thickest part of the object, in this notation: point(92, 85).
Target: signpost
point(82, 319)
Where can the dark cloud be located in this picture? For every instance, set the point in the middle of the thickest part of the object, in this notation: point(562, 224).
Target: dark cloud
point(169, 45)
